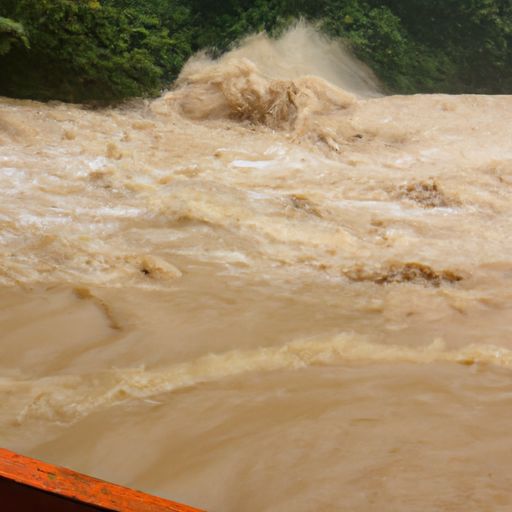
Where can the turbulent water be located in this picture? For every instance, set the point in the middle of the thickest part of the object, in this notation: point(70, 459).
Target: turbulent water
point(271, 289)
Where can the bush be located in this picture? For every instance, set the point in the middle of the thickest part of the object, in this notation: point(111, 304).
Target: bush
point(11, 33)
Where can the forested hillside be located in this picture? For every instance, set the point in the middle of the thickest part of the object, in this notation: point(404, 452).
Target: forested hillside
point(108, 50)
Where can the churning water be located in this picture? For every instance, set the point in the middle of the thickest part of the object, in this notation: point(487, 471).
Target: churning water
point(272, 288)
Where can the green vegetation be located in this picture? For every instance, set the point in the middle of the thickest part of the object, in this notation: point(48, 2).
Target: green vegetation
point(108, 50)
point(11, 33)
point(84, 50)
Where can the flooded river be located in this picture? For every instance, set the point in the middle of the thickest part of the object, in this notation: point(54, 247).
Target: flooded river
point(273, 288)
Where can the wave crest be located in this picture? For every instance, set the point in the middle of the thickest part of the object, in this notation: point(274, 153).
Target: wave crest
point(65, 399)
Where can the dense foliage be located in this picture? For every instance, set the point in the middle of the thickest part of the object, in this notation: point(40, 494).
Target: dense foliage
point(81, 49)
point(10, 34)
point(113, 49)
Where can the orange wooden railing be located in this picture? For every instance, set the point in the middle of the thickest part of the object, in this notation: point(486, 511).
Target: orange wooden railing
point(29, 484)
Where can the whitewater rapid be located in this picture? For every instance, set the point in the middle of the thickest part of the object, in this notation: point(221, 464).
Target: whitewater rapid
point(272, 288)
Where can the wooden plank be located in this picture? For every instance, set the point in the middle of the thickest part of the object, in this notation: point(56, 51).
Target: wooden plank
point(70, 485)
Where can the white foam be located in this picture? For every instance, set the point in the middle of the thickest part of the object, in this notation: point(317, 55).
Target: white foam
point(253, 164)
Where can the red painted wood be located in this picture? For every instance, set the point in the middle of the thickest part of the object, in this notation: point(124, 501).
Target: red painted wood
point(69, 487)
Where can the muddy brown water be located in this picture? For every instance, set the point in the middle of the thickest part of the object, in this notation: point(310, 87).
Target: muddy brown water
point(263, 292)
